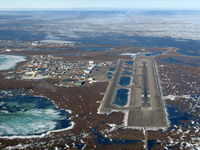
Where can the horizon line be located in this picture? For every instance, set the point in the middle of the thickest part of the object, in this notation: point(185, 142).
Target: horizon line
point(94, 9)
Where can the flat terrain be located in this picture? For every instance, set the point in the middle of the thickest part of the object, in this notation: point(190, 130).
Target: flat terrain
point(96, 130)
point(145, 105)
point(110, 37)
point(149, 108)
point(108, 101)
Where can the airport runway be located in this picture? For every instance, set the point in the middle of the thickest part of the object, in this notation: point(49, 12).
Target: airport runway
point(145, 86)
point(146, 107)
point(151, 112)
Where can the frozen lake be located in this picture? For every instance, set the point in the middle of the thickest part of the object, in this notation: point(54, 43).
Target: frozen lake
point(30, 115)
point(10, 61)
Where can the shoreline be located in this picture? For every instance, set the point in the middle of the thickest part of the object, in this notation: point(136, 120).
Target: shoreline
point(42, 135)
point(84, 103)
point(38, 136)
point(10, 64)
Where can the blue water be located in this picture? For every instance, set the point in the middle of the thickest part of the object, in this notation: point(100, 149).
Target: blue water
point(152, 143)
point(93, 41)
point(106, 141)
point(176, 115)
point(124, 81)
point(109, 77)
point(178, 60)
point(112, 69)
point(153, 53)
point(110, 73)
point(186, 46)
point(95, 48)
point(121, 97)
point(29, 115)
point(129, 62)
point(21, 35)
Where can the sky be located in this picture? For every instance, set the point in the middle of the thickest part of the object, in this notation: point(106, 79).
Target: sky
point(99, 4)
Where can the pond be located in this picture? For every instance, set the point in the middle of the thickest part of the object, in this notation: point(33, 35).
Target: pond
point(112, 69)
point(30, 115)
point(129, 62)
point(125, 81)
point(109, 77)
point(121, 97)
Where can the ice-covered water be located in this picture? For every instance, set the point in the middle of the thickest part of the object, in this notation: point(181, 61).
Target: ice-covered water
point(29, 115)
point(10, 61)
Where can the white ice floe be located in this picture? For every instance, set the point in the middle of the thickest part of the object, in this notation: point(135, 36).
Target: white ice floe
point(57, 42)
point(10, 61)
point(130, 54)
point(38, 136)
point(44, 123)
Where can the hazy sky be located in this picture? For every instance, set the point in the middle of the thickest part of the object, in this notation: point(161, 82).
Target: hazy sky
point(114, 4)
